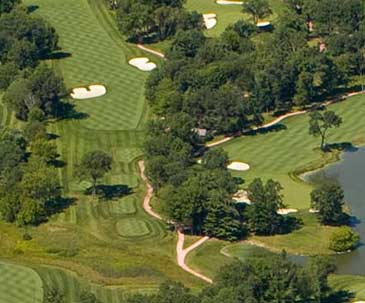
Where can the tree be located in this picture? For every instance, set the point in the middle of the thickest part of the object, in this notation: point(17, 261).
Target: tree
point(328, 200)
point(257, 8)
point(304, 89)
point(215, 158)
point(317, 271)
point(54, 295)
point(320, 123)
point(343, 239)
point(266, 200)
point(8, 73)
point(7, 5)
point(93, 166)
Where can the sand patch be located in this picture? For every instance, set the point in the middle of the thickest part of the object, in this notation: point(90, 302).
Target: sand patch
point(210, 20)
point(241, 196)
point(92, 91)
point(143, 64)
point(240, 166)
point(314, 211)
point(227, 2)
point(263, 24)
point(286, 211)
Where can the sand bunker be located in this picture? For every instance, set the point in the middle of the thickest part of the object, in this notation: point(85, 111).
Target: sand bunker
point(285, 211)
point(92, 91)
point(263, 24)
point(240, 166)
point(210, 20)
point(227, 2)
point(314, 211)
point(143, 64)
point(241, 196)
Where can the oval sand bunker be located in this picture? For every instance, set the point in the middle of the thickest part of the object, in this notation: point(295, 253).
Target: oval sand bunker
point(92, 91)
point(143, 64)
point(240, 166)
point(210, 20)
point(227, 2)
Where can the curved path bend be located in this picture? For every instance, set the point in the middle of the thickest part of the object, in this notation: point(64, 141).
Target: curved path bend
point(151, 51)
point(181, 253)
point(283, 117)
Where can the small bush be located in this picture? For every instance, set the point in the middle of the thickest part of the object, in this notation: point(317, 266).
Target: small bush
point(343, 239)
point(27, 236)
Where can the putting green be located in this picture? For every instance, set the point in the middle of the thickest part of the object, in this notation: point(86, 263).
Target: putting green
point(132, 227)
point(19, 284)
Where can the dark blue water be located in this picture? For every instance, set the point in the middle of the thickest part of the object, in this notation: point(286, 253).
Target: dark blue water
point(350, 173)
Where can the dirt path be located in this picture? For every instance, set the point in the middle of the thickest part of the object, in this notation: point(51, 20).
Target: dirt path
point(146, 202)
point(181, 253)
point(151, 51)
point(281, 118)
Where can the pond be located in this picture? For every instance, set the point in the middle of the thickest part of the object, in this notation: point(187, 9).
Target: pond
point(350, 173)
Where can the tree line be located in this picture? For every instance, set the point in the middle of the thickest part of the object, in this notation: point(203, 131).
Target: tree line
point(157, 20)
point(29, 85)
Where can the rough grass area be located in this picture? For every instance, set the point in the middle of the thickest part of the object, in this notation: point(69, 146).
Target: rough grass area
point(94, 53)
point(289, 148)
point(19, 284)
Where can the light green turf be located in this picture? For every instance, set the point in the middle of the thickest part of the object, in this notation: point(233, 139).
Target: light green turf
point(353, 284)
point(228, 14)
point(19, 284)
point(132, 228)
point(98, 55)
point(277, 154)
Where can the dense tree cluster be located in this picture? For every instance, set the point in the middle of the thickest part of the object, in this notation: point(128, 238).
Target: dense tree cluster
point(29, 186)
point(24, 41)
point(258, 279)
point(224, 84)
point(141, 20)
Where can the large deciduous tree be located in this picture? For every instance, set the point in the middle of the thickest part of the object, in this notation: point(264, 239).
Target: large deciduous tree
point(266, 201)
point(320, 123)
point(93, 166)
point(328, 201)
point(257, 9)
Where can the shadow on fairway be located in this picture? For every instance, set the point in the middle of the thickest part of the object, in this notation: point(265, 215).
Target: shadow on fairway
point(109, 192)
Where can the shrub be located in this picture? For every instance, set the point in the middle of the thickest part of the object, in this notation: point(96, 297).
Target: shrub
point(343, 239)
point(27, 236)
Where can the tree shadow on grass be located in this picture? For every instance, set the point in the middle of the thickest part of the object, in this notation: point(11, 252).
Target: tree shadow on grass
point(70, 112)
point(341, 296)
point(109, 192)
point(342, 146)
point(32, 8)
point(57, 55)
point(58, 205)
point(265, 130)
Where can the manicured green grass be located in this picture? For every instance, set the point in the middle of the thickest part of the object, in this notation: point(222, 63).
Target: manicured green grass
point(278, 154)
point(228, 14)
point(208, 258)
point(353, 284)
point(19, 284)
point(97, 55)
point(87, 238)
point(312, 238)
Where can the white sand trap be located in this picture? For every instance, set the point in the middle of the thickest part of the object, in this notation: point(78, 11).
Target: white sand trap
point(143, 64)
point(241, 196)
point(210, 20)
point(227, 2)
point(285, 211)
point(314, 211)
point(92, 91)
point(240, 166)
point(263, 24)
